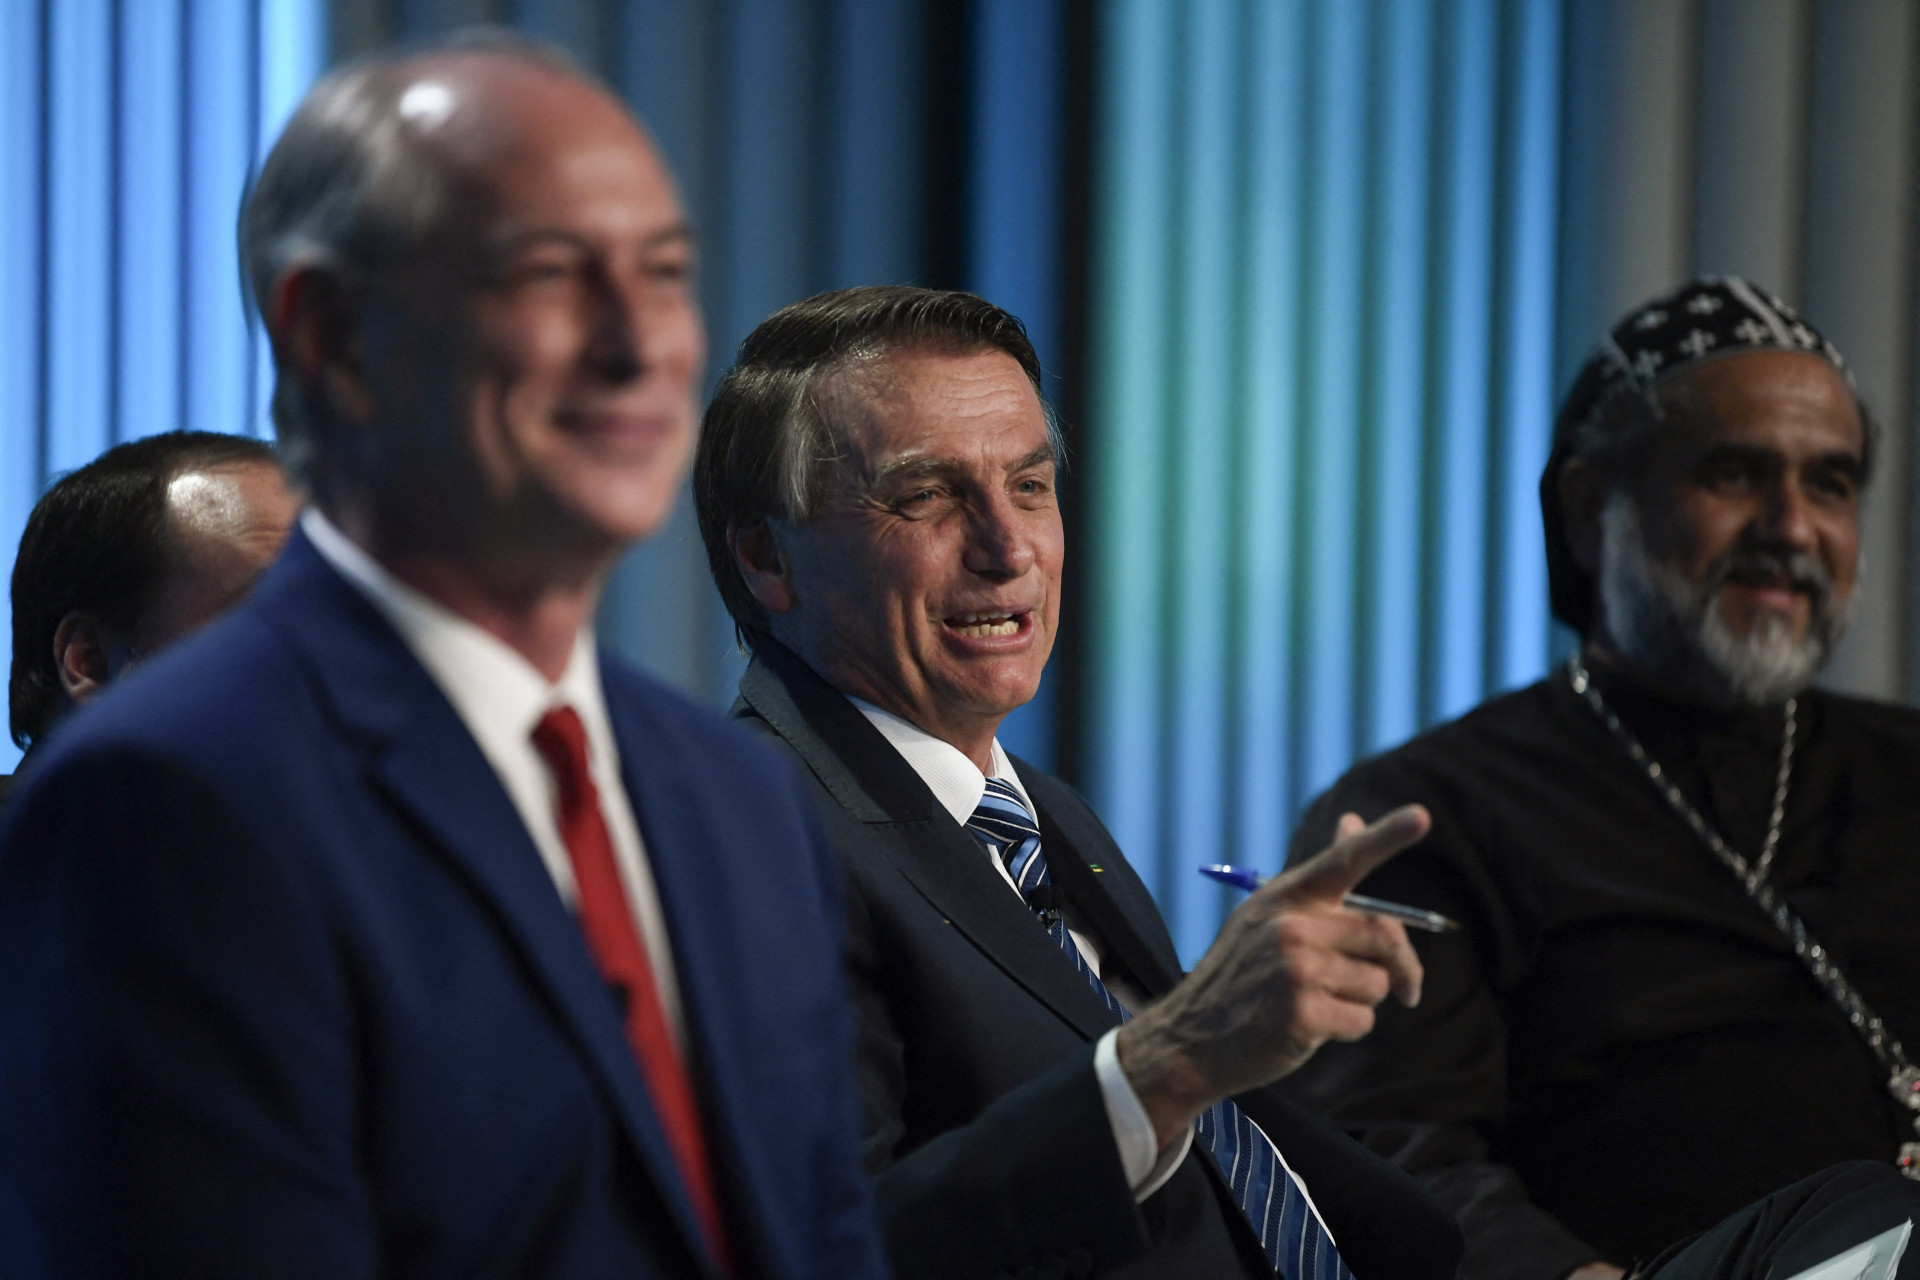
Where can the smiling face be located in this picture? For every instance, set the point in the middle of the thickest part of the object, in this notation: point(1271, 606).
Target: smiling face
point(534, 371)
point(1742, 532)
point(928, 580)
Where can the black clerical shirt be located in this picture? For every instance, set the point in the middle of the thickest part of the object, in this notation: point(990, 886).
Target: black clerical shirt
point(1619, 1049)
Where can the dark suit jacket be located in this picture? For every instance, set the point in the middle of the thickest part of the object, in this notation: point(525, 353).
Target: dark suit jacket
point(290, 993)
point(983, 1116)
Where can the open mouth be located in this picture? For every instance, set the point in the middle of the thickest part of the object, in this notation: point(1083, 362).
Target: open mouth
point(986, 625)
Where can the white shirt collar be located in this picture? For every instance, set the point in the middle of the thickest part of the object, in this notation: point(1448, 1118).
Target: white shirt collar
point(498, 694)
point(956, 782)
point(500, 697)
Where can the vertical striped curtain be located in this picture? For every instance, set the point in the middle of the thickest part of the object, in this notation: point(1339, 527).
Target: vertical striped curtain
point(127, 131)
point(1346, 258)
point(818, 143)
point(1322, 372)
point(796, 129)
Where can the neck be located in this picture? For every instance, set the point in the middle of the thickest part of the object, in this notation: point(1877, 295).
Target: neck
point(970, 735)
point(1687, 689)
point(1601, 655)
point(977, 749)
point(535, 605)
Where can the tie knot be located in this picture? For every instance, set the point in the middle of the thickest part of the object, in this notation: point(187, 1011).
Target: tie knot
point(561, 739)
point(1002, 816)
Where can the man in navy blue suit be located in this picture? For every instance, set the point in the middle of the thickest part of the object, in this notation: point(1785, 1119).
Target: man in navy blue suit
point(388, 927)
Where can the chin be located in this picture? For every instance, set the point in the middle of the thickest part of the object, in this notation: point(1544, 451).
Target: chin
point(1003, 698)
point(627, 512)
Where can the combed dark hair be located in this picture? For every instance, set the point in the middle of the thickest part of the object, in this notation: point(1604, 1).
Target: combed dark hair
point(767, 435)
point(96, 542)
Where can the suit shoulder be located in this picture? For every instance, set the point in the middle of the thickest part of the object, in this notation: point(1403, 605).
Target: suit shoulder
point(693, 727)
point(1055, 794)
point(213, 690)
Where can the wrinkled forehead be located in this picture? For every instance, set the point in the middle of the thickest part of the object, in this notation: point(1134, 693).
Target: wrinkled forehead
point(969, 406)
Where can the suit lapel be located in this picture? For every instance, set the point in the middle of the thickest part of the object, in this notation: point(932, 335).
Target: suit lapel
point(1112, 901)
point(863, 772)
point(426, 763)
point(677, 832)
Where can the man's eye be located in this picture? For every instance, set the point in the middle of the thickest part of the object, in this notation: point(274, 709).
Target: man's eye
point(1728, 473)
point(919, 501)
point(1836, 485)
point(543, 271)
point(669, 270)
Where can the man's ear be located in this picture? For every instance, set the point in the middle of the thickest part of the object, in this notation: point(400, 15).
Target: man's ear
point(313, 317)
point(80, 656)
point(764, 564)
point(1583, 495)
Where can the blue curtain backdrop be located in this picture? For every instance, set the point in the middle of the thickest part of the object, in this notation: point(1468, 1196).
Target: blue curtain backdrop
point(1322, 380)
point(818, 143)
point(1307, 277)
point(1344, 259)
point(126, 133)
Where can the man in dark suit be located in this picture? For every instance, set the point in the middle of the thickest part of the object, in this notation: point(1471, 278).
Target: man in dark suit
point(876, 489)
point(132, 552)
point(386, 927)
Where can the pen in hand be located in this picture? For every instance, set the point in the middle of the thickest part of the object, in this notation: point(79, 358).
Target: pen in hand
point(1413, 917)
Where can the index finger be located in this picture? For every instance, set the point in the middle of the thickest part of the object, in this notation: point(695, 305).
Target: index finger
point(1336, 869)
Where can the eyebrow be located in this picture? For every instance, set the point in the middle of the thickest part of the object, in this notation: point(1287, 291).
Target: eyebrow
point(1840, 459)
point(916, 467)
point(681, 232)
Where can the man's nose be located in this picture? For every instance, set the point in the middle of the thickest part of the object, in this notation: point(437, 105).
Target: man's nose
point(1000, 546)
point(617, 340)
point(1787, 515)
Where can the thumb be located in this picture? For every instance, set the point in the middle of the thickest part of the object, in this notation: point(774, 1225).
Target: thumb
point(1353, 855)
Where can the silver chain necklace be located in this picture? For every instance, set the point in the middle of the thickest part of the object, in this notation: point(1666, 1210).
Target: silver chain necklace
point(1903, 1077)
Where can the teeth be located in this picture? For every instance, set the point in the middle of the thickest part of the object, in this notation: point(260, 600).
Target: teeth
point(978, 626)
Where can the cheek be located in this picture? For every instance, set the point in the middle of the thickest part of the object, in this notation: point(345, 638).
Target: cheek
point(521, 343)
point(1843, 552)
point(1699, 532)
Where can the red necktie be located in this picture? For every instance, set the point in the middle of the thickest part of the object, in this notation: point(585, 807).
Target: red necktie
point(613, 939)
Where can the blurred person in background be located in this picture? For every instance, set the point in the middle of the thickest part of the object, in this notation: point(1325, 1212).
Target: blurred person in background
point(147, 543)
point(1687, 877)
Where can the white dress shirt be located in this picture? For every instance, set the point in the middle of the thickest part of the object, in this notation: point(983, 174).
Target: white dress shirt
point(500, 697)
point(958, 784)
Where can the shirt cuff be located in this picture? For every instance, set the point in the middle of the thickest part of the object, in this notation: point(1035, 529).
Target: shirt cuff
point(1147, 1167)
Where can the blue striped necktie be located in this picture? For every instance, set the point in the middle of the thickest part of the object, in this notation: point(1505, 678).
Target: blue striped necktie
point(1295, 1240)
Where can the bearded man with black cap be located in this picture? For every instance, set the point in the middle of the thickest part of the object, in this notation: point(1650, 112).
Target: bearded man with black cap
point(1687, 879)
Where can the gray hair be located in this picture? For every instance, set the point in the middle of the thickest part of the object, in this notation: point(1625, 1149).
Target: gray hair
point(770, 436)
point(349, 187)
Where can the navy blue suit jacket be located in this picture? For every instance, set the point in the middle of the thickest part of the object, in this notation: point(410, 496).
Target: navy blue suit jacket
point(289, 992)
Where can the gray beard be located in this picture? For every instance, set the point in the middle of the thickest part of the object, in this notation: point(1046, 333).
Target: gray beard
point(1668, 627)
